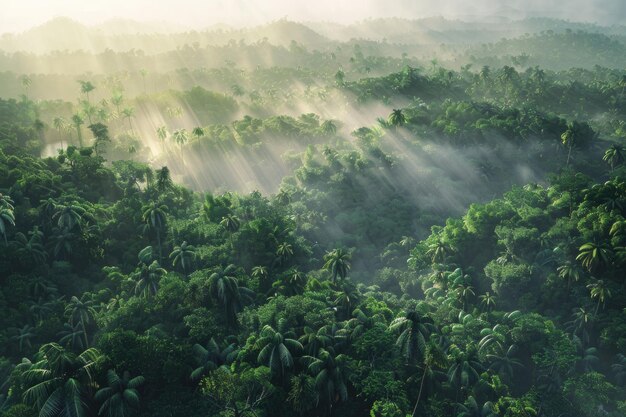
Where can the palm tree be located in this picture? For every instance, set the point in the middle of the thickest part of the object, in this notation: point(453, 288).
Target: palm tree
point(81, 312)
point(504, 363)
point(471, 409)
point(313, 340)
point(128, 113)
point(414, 332)
point(117, 99)
point(183, 255)
point(162, 134)
point(284, 251)
point(581, 323)
point(155, 216)
point(615, 155)
point(26, 82)
point(277, 350)
point(7, 217)
point(495, 337)
point(397, 118)
point(434, 357)
point(599, 290)
point(594, 255)
point(23, 337)
point(337, 263)
point(328, 128)
point(163, 179)
point(77, 121)
point(120, 397)
point(464, 370)
point(224, 287)
point(68, 216)
point(488, 300)
point(438, 251)
point(331, 375)
point(72, 337)
point(149, 278)
point(86, 87)
point(59, 383)
point(181, 137)
point(293, 282)
point(211, 357)
point(231, 223)
point(261, 273)
point(569, 271)
point(198, 132)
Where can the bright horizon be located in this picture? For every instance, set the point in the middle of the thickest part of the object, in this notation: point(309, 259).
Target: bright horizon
point(21, 15)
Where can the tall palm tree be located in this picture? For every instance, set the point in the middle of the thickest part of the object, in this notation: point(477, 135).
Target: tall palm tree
point(198, 132)
point(313, 340)
point(593, 255)
point(155, 216)
point(224, 287)
point(615, 155)
point(163, 179)
point(148, 278)
point(277, 350)
point(30, 251)
point(7, 217)
point(211, 357)
point(181, 137)
point(86, 87)
point(81, 312)
point(183, 255)
point(231, 223)
point(59, 383)
point(464, 369)
point(72, 337)
point(471, 409)
point(261, 273)
point(68, 216)
point(337, 263)
point(78, 121)
point(328, 128)
point(162, 134)
point(284, 251)
point(23, 337)
point(504, 363)
point(397, 118)
point(120, 398)
point(128, 113)
point(488, 300)
point(600, 291)
point(414, 330)
point(434, 358)
point(569, 271)
point(438, 251)
point(331, 375)
point(26, 82)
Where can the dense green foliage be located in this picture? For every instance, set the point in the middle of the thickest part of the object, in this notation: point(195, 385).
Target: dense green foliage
point(458, 251)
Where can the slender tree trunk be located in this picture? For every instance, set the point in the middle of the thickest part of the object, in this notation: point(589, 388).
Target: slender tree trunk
point(80, 136)
point(85, 334)
point(419, 394)
point(569, 154)
point(159, 243)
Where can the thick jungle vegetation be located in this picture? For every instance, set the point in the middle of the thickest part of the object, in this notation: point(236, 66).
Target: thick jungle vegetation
point(323, 227)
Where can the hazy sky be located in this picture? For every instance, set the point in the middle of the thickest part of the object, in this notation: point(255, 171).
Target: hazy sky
point(18, 15)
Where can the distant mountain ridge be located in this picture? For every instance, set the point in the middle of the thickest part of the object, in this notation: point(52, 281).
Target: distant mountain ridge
point(62, 33)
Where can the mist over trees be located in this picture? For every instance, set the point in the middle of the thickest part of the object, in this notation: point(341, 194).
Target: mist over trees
point(387, 218)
